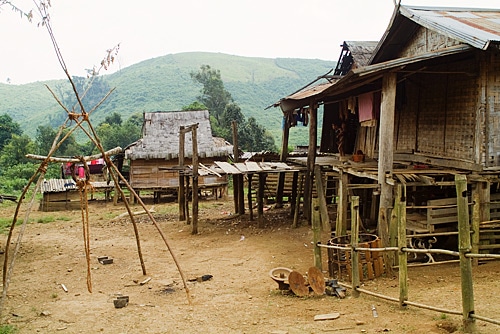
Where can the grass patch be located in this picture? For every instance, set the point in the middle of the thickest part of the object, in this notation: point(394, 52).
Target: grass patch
point(5, 225)
point(8, 329)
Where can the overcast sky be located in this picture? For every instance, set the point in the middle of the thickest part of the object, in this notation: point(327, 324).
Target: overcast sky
point(145, 29)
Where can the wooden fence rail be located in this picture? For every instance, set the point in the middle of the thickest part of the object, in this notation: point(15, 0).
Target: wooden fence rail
point(464, 254)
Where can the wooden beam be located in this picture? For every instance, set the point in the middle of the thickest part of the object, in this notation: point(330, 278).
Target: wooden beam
point(323, 208)
point(249, 195)
point(181, 192)
point(195, 178)
point(341, 225)
point(283, 157)
point(385, 158)
point(311, 158)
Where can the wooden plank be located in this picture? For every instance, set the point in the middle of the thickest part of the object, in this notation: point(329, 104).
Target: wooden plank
point(241, 166)
point(227, 167)
point(329, 316)
point(252, 166)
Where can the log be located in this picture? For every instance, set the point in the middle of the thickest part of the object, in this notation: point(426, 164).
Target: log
point(136, 213)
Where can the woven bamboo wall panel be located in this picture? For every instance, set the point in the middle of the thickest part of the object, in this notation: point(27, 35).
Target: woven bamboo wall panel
point(438, 116)
point(425, 40)
point(405, 132)
point(493, 110)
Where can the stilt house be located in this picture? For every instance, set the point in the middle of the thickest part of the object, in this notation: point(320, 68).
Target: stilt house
point(423, 108)
point(154, 159)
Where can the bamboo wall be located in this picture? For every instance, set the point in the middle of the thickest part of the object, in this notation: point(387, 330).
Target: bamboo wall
point(492, 105)
point(424, 41)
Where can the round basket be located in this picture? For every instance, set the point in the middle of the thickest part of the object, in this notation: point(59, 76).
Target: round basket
point(371, 264)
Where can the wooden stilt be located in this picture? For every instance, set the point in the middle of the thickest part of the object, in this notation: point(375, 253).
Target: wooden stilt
point(195, 178)
point(249, 196)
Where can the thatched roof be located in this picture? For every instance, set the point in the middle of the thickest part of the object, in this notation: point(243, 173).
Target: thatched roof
point(160, 137)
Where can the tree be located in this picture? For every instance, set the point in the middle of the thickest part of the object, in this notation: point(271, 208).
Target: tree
point(254, 137)
point(45, 135)
point(114, 135)
point(223, 111)
point(214, 95)
point(8, 128)
point(113, 119)
point(15, 151)
point(194, 106)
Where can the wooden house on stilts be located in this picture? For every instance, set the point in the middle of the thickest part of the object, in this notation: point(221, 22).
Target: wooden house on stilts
point(424, 107)
point(154, 159)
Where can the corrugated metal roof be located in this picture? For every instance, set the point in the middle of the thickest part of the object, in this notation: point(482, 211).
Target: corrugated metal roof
point(60, 185)
point(474, 26)
point(57, 185)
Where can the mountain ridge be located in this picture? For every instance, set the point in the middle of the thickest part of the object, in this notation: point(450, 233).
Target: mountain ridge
point(164, 84)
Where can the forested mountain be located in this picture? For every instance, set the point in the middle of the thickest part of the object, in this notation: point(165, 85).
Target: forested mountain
point(164, 84)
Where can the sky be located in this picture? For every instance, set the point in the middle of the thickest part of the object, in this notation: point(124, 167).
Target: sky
point(85, 29)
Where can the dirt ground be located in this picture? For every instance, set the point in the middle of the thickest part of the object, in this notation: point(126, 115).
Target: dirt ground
point(240, 298)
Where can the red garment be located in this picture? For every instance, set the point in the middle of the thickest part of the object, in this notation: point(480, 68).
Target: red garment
point(365, 107)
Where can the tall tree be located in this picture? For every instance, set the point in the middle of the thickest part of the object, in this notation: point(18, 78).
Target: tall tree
point(214, 95)
point(223, 111)
point(8, 128)
point(15, 151)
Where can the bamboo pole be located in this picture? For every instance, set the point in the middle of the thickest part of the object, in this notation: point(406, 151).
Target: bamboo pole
point(316, 229)
point(464, 246)
point(354, 243)
point(402, 254)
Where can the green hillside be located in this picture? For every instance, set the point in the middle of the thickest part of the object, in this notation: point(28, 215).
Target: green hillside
point(164, 83)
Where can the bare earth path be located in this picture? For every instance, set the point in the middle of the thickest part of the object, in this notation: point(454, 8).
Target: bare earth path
point(240, 298)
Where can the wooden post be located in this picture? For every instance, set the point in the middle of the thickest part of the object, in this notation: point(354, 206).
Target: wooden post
point(186, 200)
point(241, 194)
point(354, 244)
point(386, 157)
point(464, 247)
point(249, 195)
point(325, 220)
point(194, 128)
point(316, 229)
point(400, 208)
point(311, 159)
point(293, 197)
point(236, 190)
point(297, 203)
point(283, 157)
point(341, 225)
point(476, 213)
point(481, 212)
point(181, 192)
point(260, 199)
